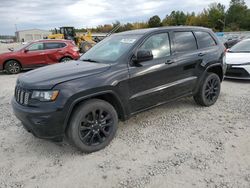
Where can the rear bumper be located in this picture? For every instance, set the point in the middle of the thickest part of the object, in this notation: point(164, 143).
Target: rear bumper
point(1, 66)
point(238, 72)
point(76, 55)
point(42, 123)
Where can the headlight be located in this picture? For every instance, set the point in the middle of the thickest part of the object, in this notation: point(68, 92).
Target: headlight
point(45, 96)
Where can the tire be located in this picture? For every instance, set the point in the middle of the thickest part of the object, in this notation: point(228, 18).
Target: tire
point(209, 90)
point(65, 59)
point(85, 46)
point(12, 67)
point(88, 132)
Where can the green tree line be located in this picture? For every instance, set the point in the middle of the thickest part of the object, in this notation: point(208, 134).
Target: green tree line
point(215, 16)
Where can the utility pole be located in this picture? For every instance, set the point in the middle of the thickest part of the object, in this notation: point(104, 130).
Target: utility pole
point(224, 22)
point(16, 33)
point(16, 27)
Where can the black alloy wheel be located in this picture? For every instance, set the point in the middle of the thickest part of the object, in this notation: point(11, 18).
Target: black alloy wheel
point(93, 125)
point(212, 89)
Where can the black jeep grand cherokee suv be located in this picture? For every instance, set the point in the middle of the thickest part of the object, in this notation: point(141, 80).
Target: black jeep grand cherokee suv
point(122, 75)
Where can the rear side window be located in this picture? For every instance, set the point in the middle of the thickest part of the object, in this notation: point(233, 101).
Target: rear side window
point(54, 45)
point(185, 41)
point(158, 44)
point(204, 39)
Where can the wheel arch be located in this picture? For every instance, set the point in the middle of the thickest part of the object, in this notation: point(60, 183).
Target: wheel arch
point(108, 96)
point(66, 56)
point(217, 69)
point(4, 63)
point(214, 68)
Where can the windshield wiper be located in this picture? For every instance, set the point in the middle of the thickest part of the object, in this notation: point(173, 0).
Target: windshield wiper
point(90, 60)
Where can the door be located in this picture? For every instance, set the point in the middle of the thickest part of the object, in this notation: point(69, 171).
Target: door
point(188, 59)
point(34, 55)
point(54, 51)
point(150, 81)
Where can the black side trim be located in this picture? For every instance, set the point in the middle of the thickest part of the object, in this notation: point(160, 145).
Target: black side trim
point(162, 87)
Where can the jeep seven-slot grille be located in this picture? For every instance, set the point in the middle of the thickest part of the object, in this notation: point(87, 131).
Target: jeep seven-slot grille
point(22, 96)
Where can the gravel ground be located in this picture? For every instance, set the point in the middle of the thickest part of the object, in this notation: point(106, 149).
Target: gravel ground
point(175, 145)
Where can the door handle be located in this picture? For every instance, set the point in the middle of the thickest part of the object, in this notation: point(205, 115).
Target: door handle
point(42, 53)
point(169, 62)
point(201, 54)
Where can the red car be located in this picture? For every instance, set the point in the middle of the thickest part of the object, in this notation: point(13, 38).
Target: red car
point(37, 54)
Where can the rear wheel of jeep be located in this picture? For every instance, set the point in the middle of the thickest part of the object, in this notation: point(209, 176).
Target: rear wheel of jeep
point(209, 90)
point(93, 125)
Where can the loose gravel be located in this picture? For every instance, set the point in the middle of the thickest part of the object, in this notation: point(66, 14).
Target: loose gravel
point(179, 144)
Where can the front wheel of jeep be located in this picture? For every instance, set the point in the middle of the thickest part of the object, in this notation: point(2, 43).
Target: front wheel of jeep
point(93, 125)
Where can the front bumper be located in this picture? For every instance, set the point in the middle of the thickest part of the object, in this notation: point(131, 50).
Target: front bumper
point(42, 123)
point(238, 72)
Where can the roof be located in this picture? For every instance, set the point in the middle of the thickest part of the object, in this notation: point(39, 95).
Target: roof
point(32, 30)
point(148, 30)
point(53, 40)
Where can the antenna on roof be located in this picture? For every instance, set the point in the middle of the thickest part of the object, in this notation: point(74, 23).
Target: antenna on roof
point(113, 30)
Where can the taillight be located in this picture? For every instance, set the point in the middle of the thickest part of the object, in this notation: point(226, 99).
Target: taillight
point(73, 43)
point(75, 49)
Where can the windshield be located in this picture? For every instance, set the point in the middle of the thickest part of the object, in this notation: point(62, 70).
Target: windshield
point(243, 46)
point(111, 48)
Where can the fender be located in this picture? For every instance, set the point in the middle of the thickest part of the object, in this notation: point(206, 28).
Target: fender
point(204, 73)
point(124, 115)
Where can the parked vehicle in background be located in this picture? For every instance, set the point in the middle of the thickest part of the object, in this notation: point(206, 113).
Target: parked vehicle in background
point(122, 75)
point(230, 43)
point(238, 60)
point(38, 53)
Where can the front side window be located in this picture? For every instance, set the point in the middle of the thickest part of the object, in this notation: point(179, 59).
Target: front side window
point(159, 44)
point(54, 45)
point(184, 41)
point(35, 47)
point(111, 48)
point(204, 39)
point(242, 46)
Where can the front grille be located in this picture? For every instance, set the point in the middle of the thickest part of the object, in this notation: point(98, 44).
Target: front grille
point(22, 96)
point(236, 72)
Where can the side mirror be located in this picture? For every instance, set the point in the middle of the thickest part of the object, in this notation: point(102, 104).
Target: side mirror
point(143, 55)
point(26, 50)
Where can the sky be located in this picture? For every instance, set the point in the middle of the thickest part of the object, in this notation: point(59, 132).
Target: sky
point(50, 14)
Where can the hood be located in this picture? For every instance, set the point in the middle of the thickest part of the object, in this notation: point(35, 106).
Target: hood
point(49, 76)
point(7, 53)
point(237, 58)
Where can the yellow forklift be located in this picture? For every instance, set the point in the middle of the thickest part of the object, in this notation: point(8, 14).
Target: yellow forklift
point(84, 42)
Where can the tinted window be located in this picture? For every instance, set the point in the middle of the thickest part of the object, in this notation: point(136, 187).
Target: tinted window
point(54, 45)
point(204, 39)
point(185, 41)
point(158, 44)
point(35, 47)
